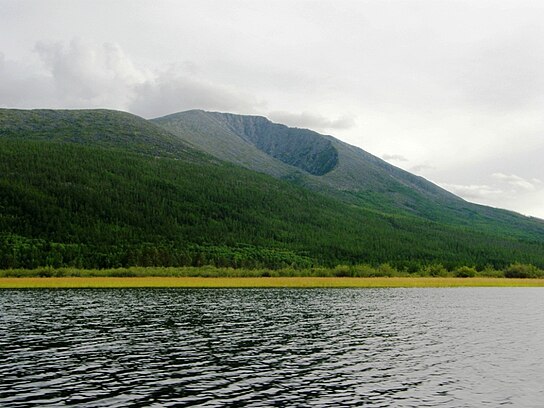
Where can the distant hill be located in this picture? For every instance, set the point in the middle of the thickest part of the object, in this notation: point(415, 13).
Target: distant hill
point(92, 127)
point(100, 188)
point(328, 165)
point(261, 145)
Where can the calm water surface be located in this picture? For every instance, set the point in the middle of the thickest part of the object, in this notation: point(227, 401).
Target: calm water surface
point(465, 347)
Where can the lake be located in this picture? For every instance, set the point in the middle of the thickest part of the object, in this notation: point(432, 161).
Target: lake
point(459, 347)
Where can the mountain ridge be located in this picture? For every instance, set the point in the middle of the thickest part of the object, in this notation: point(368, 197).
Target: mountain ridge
point(351, 178)
point(358, 177)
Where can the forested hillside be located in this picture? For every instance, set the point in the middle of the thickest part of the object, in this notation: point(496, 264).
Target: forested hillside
point(347, 173)
point(66, 203)
point(93, 127)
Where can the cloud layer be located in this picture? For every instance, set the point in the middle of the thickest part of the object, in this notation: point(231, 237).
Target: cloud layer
point(84, 75)
point(312, 120)
point(505, 191)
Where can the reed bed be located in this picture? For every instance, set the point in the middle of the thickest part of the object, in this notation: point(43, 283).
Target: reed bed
point(261, 282)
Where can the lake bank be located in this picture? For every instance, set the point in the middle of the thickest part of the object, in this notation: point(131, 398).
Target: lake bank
point(264, 282)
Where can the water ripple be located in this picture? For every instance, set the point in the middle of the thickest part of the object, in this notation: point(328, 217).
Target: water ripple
point(272, 347)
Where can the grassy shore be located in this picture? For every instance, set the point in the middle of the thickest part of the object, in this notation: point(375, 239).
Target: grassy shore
point(262, 282)
point(361, 276)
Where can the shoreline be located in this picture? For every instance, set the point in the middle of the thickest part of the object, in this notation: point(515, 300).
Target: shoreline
point(261, 282)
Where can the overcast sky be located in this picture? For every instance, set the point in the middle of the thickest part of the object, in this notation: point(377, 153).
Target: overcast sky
point(450, 90)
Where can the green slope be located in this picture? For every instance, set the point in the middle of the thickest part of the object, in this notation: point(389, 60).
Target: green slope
point(321, 161)
point(93, 127)
point(74, 202)
point(212, 136)
point(346, 172)
point(110, 208)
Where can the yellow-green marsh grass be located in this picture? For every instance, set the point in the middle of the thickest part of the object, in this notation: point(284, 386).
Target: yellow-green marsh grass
point(260, 282)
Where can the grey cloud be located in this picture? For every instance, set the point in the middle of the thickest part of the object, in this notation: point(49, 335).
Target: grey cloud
point(420, 167)
point(394, 157)
point(312, 121)
point(23, 88)
point(517, 181)
point(476, 192)
point(504, 191)
point(82, 75)
point(506, 72)
point(90, 75)
point(172, 92)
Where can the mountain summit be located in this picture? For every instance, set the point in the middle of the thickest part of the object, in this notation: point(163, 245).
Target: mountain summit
point(281, 151)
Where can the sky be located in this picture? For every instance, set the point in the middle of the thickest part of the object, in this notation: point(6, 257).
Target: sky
point(450, 90)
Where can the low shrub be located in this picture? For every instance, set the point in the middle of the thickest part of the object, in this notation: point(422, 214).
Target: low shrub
point(386, 270)
point(465, 272)
point(522, 271)
point(490, 272)
point(342, 271)
point(434, 270)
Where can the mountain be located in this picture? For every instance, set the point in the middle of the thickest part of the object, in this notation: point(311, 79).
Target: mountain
point(328, 165)
point(98, 188)
point(281, 151)
point(97, 127)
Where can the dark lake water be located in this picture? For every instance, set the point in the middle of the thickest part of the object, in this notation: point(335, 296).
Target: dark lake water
point(466, 347)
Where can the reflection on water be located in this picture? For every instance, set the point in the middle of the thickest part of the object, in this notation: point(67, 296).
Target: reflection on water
point(272, 347)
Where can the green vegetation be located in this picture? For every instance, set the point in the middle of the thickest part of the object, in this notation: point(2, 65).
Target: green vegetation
point(93, 127)
point(344, 172)
point(272, 282)
point(340, 271)
point(521, 271)
point(73, 205)
point(123, 194)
